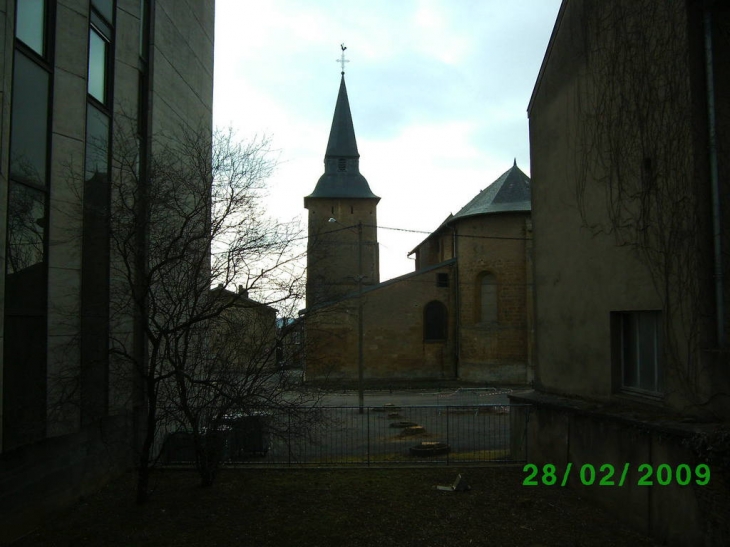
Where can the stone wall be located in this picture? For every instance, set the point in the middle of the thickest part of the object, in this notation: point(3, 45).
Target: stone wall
point(393, 336)
point(493, 348)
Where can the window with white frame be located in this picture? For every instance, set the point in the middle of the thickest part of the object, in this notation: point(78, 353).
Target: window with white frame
point(639, 346)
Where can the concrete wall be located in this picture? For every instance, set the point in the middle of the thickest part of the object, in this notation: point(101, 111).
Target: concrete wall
point(182, 83)
point(562, 431)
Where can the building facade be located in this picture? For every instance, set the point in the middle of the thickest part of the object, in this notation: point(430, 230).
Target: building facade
point(490, 239)
point(629, 127)
point(461, 315)
point(76, 74)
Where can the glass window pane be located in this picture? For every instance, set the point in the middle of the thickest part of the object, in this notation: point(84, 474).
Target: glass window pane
point(26, 229)
point(647, 356)
point(28, 139)
point(97, 66)
point(29, 26)
point(660, 355)
point(628, 339)
point(97, 144)
point(106, 8)
point(24, 377)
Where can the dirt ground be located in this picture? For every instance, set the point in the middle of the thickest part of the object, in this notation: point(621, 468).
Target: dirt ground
point(337, 507)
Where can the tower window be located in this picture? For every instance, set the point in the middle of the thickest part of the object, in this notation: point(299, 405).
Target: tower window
point(352, 209)
point(342, 164)
point(442, 280)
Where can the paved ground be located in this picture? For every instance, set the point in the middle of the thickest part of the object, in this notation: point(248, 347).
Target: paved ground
point(425, 397)
point(476, 434)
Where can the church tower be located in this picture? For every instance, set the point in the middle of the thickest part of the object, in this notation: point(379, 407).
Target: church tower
point(343, 243)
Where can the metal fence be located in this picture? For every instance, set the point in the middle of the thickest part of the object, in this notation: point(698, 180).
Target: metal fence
point(342, 436)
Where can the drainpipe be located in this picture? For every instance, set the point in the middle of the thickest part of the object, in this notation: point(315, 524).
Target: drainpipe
point(714, 181)
point(457, 335)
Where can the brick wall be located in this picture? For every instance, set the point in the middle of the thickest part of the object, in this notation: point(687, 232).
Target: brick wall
point(494, 351)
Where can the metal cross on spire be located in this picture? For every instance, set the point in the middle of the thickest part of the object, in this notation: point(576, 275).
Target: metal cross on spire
point(342, 59)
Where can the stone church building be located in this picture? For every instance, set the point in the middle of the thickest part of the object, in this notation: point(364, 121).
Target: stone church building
point(463, 313)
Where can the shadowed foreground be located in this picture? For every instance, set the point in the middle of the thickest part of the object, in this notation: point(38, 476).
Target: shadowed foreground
point(323, 507)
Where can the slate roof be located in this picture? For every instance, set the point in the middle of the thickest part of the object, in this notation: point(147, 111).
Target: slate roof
point(335, 183)
point(509, 193)
point(342, 185)
point(342, 141)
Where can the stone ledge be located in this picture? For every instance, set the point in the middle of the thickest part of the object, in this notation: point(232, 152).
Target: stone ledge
point(621, 412)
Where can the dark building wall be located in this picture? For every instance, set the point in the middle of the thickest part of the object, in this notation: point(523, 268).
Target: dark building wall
point(586, 268)
point(77, 443)
point(603, 293)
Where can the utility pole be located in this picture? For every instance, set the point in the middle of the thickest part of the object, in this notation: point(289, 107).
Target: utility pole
point(360, 387)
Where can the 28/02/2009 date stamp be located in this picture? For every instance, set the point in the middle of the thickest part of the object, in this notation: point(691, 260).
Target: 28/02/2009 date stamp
point(606, 475)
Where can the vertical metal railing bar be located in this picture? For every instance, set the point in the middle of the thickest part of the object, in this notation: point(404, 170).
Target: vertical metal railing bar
point(448, 436)
point(288, 432)
point(475, 434)
point(527, 436)
point(367, 417)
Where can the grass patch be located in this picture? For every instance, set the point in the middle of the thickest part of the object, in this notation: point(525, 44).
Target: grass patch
point(480, 456)
point(473, 456)
point(335, 507)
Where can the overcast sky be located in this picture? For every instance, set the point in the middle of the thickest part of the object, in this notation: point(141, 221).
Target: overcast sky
point(438, 92)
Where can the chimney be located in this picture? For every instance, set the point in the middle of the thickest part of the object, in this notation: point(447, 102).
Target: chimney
point(243, 292)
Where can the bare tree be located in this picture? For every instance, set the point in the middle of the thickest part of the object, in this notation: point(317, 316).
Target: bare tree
point(194, 356)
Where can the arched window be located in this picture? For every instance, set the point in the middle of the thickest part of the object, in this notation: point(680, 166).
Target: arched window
point(435, 324)
point(487, 293)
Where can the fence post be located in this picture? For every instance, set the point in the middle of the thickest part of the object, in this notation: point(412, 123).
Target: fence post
point(527, 433)
point(367, 417)
point(288, 435)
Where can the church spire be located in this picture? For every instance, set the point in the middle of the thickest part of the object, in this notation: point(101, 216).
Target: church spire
point(342, 178)
point(342, 143)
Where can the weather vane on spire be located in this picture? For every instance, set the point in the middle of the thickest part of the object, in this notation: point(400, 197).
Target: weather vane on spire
point(342, 59)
